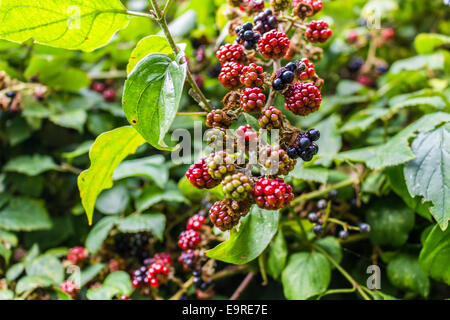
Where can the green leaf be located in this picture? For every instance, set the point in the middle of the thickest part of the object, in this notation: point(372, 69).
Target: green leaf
point(6, 294)
point(31, 165)
point(306, 275)
point(433, 61)
point(84, 25)
point(428, 42)
point(330, 141)
point(154, 222)
point(99, 233)
point(152, 95)
point(80, 150)
point(32, 282)
point(47, 266)
point(398, 184)
point(147, 45)
point(332, 247)
point(116, 284)
point(74, 119)
point(434, 257)
point(109, 149)
point(254, 235)
point(153, 168)
point(391, 222)
point(15, 271)
point(152, 195)
point(429, 174)
point(316, 174)
point(405, 273)
point(17, 131)
point(114, 200)
point(88, 273)
point(277, 255)
point(5, 252)
point(363, 119)
point(396, 150)
point(9, 237)
point(23, 214)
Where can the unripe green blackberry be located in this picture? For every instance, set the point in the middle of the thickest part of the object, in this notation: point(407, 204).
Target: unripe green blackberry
point(280, 5)
point(220, 164)
point(270, 118)
point(275, 161)
point(237, 186)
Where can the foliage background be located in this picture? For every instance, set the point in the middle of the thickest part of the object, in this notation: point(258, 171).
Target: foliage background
point(393, 136)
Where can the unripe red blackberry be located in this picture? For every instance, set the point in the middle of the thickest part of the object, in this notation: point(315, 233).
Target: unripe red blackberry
point(252, 99)
point(388, 33)
point(109, 95)
point(270, 118)
point(318, 31)
point(125, 298)
point(225, 214)
point(302, 98)
point(280, 5)
point(309, 72)
point(189, 239)
point(98, 87)
point(275, 161)
point(231, 53)
point(252, 76)
point(252, 6)
point(218, 118)
point(220, 164)
point(69, 287)
point(272, 194)
point(274, 44)
point(352, 36)
point(265, 21)
point(163, 258)
point(198, 175)
point(246, 132)
point(77, 254)
point(237, 186)
point(195, 222)
point(229, 75)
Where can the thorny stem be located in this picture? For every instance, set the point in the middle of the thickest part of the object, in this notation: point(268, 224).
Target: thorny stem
point(342, 271)
point(276, 66)
point(242, 286)
point(161, 19)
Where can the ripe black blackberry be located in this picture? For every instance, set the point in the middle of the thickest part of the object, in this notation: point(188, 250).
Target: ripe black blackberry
point(364, 228)
point(265, 21)
point(317, 229)
point(304, 146)
point(246, 36)
point(132, 245)
point(343, 234)
point(284, 76)
point(313, 217)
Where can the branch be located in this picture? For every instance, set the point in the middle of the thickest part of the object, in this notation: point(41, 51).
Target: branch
point(242, 286)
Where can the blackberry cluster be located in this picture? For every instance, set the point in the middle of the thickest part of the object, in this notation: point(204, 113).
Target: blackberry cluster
point(225, 214)
point(155, 273)
point(237, 186)
point(220, 164)
point(306, 8)
point(276, 161)
point(139, 277)
point(272, 194)
point(218, 118)
point(270, 118)
point(219, 139)
point(230, 74)
point(252, 6)
point(189, 239)
point(195, 222)
point(302, 98)
point(188, 259)
point(265, 21)
point(69, 287)
point(318, 31)
point(252, 76)
point(304, 146)
point(274, 44)
point(280, 5)
point(309, 72)
point(252, 99)
point(132, 245)
point(198, 281)
point(199, 177)
point(246, 36)
point(355, 64)
point(246, 132)
point(231, 53)
point(284, 76)
point(77, 255)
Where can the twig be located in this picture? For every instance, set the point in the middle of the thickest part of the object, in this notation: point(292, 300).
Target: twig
point(242, 286)
point(188, 114)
